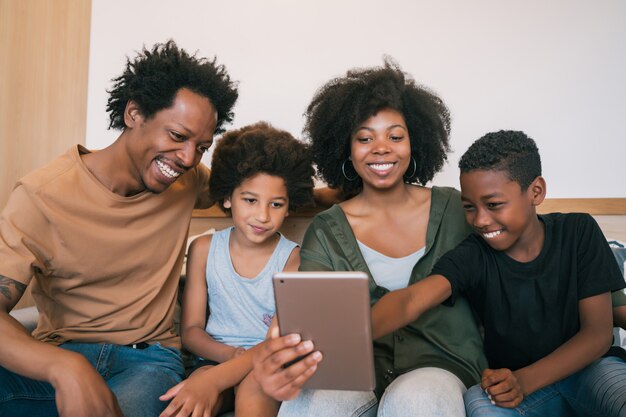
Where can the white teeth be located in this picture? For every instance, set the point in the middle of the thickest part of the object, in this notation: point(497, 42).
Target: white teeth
point(491, 235)
point(381, 167)
point(167, 171)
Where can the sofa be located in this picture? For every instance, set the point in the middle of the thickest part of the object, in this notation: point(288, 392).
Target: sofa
point(28, 316)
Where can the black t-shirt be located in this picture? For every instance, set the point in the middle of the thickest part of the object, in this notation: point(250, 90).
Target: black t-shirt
point(529, 309)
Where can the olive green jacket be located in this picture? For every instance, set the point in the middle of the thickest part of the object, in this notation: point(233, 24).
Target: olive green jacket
point(444, 337)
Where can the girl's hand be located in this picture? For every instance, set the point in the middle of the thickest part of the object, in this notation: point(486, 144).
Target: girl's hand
point(237, 352)
point(197, 395)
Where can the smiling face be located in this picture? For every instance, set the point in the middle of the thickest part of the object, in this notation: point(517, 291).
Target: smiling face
point(171, 142)
point(258, 207)
point(501, 212)
point(381, 149)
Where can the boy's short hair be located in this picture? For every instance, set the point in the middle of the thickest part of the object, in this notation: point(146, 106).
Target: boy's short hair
point(153, 78)
point(260, 148)
point(509, 151)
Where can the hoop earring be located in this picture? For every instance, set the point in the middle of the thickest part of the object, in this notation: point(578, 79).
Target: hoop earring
point(343, 170)
point(408, 177)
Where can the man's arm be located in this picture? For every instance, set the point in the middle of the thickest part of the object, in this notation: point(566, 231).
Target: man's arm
point(79, 388)
point(593, 339)
point(398, 308)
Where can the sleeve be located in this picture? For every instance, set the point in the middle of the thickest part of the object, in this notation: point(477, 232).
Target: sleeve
point(597, 270)
point(619, 297)
point(314, 255)
point(460, 266)
point(203, 200)
point(23, 236)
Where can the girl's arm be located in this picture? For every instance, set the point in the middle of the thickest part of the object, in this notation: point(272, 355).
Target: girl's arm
point(293, 262)
point(194, 305)
point(593, 339)
point(398, 308)
point(199, 393)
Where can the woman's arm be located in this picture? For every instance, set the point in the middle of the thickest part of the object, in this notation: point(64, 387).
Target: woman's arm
point(593, 339)
point(398, 308)
point(194, 305)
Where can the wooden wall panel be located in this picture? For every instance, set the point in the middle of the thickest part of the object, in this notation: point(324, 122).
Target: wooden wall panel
point(44, 56)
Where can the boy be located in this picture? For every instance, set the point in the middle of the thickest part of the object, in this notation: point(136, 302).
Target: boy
point(540, 285)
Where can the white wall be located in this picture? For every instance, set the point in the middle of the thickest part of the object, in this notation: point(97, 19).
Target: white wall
point(554, 69)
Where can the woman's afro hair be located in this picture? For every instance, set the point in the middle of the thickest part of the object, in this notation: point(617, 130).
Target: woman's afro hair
point(343, 103)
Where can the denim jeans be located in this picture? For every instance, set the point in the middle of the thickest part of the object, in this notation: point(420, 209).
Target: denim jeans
point(427, 392)
point(137, 377)
point(599, 390)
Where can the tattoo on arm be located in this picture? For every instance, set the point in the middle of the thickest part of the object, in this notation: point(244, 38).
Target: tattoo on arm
point(6, 283)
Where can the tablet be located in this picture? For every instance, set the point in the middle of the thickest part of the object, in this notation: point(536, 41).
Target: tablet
point(333, 310)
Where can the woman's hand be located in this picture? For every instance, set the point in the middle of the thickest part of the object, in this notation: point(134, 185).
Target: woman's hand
point(269, 370)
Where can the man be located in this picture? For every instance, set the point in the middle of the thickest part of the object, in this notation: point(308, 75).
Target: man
point(103, 234)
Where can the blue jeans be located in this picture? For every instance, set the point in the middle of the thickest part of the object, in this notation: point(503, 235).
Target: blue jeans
point(136, 377)
point(599, 390)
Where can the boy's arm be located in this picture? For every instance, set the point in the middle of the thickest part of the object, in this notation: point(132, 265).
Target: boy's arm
point(591, 342)
point(194, 304)
point(398, 308)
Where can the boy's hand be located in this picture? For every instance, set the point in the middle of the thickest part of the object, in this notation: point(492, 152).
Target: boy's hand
point(502, 387)
point(196, 395)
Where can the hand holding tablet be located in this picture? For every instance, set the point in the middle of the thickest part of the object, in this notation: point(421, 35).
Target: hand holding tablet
point(332, 309)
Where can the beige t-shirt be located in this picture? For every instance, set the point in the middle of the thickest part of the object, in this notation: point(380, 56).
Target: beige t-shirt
point(106, 267)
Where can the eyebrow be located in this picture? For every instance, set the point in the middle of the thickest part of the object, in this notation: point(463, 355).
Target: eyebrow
point(190, 132)
point(388, 128)
point(482, 197)
point(185, 128)
point(256, 195)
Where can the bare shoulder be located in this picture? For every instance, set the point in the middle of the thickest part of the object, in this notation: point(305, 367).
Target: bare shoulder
point(200, 246)
point(293, 263)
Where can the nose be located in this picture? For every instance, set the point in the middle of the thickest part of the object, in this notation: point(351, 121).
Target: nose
point(263, 213)
point(381, 146)
point(188, 155)
point(481, 218)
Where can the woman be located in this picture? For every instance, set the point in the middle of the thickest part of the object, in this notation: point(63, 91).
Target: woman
point(375, 135)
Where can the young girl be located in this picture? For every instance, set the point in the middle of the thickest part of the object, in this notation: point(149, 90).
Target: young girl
point(258, 174)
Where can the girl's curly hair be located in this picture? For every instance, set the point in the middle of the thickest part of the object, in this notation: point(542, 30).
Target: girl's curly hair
point(260, 148)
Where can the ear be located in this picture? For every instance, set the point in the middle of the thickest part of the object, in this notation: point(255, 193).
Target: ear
point(537, 191)
point(227, 203)
point(132, 114)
